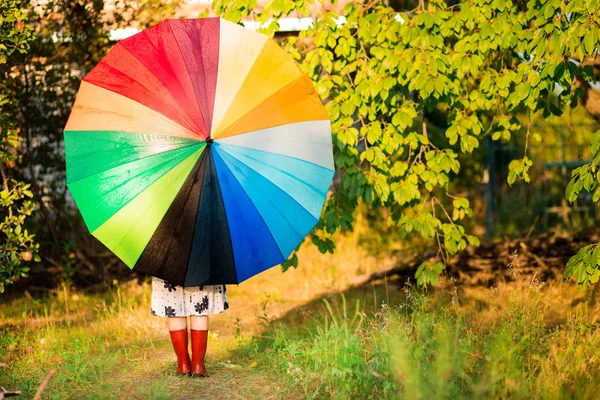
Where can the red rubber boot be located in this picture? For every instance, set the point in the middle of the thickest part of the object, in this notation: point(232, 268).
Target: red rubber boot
point(199, 341)
point(179, 339)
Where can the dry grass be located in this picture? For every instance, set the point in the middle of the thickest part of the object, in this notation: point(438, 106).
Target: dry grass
point(107, 345)
point(111, 343)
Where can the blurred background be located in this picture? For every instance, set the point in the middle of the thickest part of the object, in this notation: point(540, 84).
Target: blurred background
point(70, 37)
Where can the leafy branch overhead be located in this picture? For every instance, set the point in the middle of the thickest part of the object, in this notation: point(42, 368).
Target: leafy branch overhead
point(485, 66)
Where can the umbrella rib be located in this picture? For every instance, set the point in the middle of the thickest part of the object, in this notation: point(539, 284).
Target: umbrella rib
point(199, 161)
point(192, 135)
point(282, 171)
point(144, 213)
point(202, 170)
point(136, 160)
point(223, 143)
point(198, 108)
point(266, 99)
point(169, 253)
point(177, 110)
point(306, 140)
point(231, 55)
point(125, 198)
point(207, 131)
point(283, 216)
point(82, 158)
point(278, 186)
point(213, 190)
point(167, 89)
point(253, 206)
point(227, 237)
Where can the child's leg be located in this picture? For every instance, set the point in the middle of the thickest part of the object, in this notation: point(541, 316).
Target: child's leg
point(199, 334)
point(199, 322)
point(177, 323)
point(179, 338)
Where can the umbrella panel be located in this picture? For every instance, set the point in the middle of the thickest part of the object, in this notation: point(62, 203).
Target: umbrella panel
point(211, 259)
point(254, 247)
point(192, 244)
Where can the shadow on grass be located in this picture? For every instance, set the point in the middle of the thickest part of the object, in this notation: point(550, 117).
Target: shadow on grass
point(324, 349)
point(304, 319)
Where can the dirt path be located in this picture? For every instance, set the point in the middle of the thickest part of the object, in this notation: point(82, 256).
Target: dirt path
point(151, 376)
point(268, 296)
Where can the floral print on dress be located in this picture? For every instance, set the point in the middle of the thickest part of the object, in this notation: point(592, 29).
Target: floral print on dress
point(169, 311)
point(170, 287)
point(200, 307)
point(170, 300)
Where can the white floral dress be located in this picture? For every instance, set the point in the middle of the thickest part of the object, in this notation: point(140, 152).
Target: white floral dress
point(176, 301)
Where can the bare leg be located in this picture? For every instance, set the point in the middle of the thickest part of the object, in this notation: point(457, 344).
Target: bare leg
point(177, 323)
point(199, 322)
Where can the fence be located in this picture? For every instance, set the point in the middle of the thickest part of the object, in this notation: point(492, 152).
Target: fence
point(541, 204)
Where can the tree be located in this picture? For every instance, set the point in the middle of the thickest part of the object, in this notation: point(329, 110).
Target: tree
point(477, 70)
point(42, 63)
point(17, 245)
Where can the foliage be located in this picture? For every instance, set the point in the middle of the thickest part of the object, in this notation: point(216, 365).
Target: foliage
point(473, 70)
point(427, 274)
point(17, 246)
point(16, 35)
point(146, 13)
point(413, 96)
point(42, 84)
point(585, 266)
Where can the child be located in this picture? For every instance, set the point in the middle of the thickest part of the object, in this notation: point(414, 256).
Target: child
point(176, 303)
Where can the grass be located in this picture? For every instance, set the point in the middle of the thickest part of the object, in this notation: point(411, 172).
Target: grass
point(430, 347)
point(309, 334)
point(107, 345)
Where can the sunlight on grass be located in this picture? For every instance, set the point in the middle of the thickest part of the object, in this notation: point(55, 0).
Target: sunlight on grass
point(109, 339)
point(429, 347)
point(308, 333)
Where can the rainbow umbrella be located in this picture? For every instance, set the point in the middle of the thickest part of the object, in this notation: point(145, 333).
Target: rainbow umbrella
point(198, 152)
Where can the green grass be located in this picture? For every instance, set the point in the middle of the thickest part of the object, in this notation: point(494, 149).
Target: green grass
point(384, 343)
point(309, 334)
point(429, 347)
point(106, 346)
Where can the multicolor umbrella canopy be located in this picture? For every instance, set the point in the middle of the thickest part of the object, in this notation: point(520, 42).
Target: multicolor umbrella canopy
point(198, 152)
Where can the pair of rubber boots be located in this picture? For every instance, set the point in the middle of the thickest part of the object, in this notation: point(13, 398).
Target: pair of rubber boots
point(185, 366)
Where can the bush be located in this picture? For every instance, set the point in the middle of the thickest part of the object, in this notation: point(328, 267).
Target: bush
point(18, 246)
